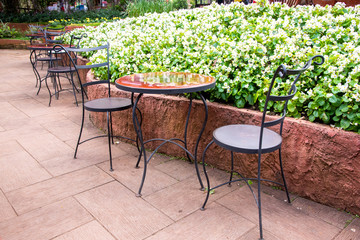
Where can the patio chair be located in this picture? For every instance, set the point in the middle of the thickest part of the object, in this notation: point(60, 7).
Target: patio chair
point(60, 64)
point(251, 139)
point(106, 105)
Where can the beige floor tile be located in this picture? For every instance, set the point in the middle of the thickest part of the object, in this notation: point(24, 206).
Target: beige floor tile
point(46, 192)
point(89, 153)
point(279, 217)
point(65, 130)
point(20, 169)
point(45, 146)
point(178, 169)
point(215, 223)
point(6, 211)
point(47, 222)
point(121, 213)
point(351, 232)
point(16, 129)
point(183, 198)
point(254, 234)
point(13, 95)
point(325, 213)
point(90, 231)
point(31, 107)
point(126, 173)
point(10, 147)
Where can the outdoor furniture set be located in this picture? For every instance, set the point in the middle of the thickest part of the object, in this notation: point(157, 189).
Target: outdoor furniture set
point(248, 139)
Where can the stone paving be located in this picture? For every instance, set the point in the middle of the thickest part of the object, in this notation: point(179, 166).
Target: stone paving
point(46, 194)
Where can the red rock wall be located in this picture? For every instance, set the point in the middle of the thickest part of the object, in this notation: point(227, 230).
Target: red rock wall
point(321, 163)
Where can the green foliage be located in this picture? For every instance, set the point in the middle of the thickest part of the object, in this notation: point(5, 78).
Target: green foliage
point(7, 32)
point(72, 17)
point(138, 8)
point(241, 46)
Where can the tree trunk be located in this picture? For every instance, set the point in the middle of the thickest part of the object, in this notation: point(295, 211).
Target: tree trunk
point(11, 6)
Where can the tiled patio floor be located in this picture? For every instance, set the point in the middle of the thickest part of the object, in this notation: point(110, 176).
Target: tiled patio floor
point(46, 194)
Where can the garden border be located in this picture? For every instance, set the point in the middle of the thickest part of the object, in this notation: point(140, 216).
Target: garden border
point(320, 163)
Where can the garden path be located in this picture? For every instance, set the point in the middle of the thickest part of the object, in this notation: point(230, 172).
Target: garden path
point(46, 194)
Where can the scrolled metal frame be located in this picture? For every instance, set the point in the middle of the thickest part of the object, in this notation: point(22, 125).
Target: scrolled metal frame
point(281, 72)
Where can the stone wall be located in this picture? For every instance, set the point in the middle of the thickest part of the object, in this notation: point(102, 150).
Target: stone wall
point(321, 163)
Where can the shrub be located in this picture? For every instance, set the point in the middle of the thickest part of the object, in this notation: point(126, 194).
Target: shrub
point(7, 32)
point(141, 7)
point(74, 16)
point(241, 45)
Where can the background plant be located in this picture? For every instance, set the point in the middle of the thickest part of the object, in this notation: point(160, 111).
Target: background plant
point(138, 8)
point(241, 45)
point(7, 32)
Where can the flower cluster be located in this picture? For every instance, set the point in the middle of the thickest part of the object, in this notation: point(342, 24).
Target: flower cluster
point(241, 46)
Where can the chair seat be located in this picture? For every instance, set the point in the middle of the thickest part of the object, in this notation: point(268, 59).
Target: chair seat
point(245, 138)
point(61, 69)
point(108, 104)
point(47, 59)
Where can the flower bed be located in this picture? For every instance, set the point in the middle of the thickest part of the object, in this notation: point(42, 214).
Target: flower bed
point(241, 45)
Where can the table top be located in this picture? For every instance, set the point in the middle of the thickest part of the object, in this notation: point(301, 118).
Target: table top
point(43, 46)
point(165, 82)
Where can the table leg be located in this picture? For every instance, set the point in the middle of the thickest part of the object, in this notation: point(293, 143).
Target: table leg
point(137, 127)
point(33, 62)
point(198, 139)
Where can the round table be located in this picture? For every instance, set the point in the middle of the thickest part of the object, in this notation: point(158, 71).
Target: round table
point(166, 83)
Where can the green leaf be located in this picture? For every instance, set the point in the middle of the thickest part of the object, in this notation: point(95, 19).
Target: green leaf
point(333, 99)
point(344, 123)
point(311, 118)
point(291, 107)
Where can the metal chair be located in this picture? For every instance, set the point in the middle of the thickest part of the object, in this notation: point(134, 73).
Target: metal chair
point(60, 64)
point(107, 104)
point(251, 139)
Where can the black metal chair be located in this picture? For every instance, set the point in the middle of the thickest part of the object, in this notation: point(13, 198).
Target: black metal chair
point(60, 64)
point(108, 104)
point(251, 139)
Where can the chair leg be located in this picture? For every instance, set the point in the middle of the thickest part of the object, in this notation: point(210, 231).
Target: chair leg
point(259, 196)
point(81, 129)
point(232, 168)
point(47, 86)
point(206, 176)
point(109, 139)
point(111, 129)
point(283, 177)
point(73, 87)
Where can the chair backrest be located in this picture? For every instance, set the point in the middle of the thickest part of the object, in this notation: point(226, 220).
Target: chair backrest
point(284, 74)
point(51, 32)
point(290, 3)
point(73, 64)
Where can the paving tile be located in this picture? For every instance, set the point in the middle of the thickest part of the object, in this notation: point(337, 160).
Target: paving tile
point(279, 217)
point(47, 222)
point(325, 213)
point(65, 130)
point(54, 189)
point(2, 129)
point(10, 115)
point(254, 234)
point(12, 95)
point(48, 118)
point(31, 107)
point(215, 223)
point(126, 173)
point(351, 232)
point(178, 169)
point(45, 146)
point(121, 213)
point(183, 198)
point(90, 231)
point(19, 170)
point(6, 211)
point(10, 147)
point(89, 153)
